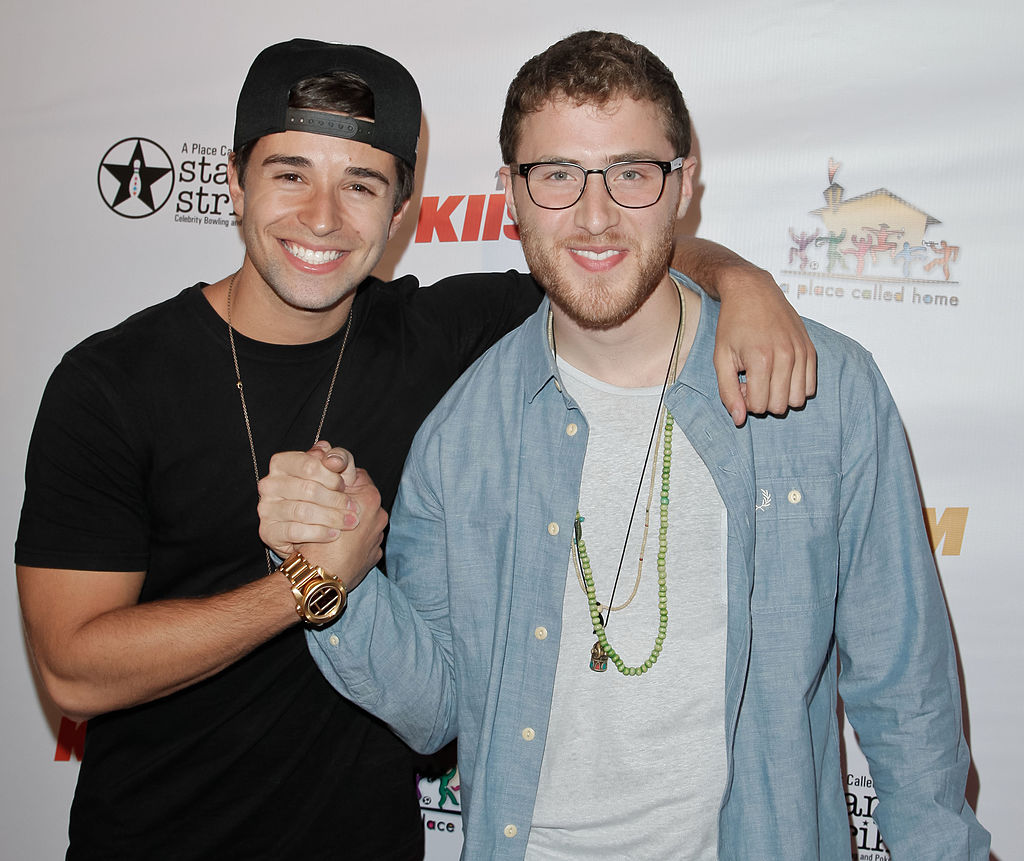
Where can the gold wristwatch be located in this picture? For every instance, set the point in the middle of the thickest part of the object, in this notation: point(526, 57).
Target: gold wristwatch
point(319, 597)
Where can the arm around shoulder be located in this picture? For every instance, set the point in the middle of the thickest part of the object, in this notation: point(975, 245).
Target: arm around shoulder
point(759, 333)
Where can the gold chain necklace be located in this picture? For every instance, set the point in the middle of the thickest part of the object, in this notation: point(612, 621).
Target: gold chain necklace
point(241, 392)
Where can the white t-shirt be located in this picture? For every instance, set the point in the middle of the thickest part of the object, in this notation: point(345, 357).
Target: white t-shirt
point(634, 766)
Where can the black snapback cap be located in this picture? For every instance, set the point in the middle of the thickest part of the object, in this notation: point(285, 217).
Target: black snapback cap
point(263, 102)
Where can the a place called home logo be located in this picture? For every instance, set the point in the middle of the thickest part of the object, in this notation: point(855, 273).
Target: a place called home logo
point(440, 804)
point(874, 247)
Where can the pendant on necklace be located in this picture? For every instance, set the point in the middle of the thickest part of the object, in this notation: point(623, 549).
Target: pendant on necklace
point(598, 658)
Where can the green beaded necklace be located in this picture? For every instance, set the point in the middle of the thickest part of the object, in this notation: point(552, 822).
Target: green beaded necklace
point(602, 651)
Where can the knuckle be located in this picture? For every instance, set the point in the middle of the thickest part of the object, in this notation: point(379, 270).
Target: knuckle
point(309, 467)
point(301, 512)
point(759, 359)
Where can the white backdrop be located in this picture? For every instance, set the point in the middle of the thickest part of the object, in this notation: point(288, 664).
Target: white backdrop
point(809, 116)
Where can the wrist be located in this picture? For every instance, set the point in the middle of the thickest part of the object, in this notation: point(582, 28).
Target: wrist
point(320, 597)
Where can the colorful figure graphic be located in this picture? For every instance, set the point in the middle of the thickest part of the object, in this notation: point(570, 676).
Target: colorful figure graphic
point(834, 254)
point(861, 247)
point(800, 244)
point(944, 253)
point(908, 255)
point(444, 789)
point(882, 241)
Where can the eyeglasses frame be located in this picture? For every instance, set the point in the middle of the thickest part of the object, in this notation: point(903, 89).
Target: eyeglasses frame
point(667, 167)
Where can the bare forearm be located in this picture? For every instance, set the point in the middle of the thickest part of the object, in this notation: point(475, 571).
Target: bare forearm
point(709, 264)
point(133, 654)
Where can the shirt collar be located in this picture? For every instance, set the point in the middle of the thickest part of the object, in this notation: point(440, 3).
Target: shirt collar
point(539, 367)
point(541, 370)
point(699, 371)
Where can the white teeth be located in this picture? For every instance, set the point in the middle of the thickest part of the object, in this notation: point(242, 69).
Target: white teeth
point(595, 255)
point(307, 255)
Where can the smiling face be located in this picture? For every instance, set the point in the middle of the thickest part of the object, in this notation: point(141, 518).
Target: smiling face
point(316, 213)
point(598, 261)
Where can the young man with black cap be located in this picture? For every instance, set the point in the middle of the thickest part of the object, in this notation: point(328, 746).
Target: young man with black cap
point(150, 605)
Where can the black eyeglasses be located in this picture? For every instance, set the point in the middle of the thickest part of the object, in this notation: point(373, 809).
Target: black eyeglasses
point(631, 184)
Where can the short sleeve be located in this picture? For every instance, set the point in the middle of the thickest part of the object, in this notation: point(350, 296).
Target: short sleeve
point(84, 506)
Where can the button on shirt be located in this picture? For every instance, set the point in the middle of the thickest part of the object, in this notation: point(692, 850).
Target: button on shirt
point(827, 557)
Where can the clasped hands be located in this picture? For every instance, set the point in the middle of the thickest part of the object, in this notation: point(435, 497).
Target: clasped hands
point(319, 504)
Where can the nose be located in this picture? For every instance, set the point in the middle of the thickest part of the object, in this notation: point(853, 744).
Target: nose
point(321, 212)
point(596, 212)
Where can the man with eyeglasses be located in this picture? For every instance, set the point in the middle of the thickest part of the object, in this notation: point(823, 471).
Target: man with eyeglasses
point(631, 611)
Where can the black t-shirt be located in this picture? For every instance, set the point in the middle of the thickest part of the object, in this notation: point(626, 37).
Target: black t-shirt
point(139, 461)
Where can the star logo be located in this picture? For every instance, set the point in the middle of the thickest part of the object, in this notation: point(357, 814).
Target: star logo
point(136, 177)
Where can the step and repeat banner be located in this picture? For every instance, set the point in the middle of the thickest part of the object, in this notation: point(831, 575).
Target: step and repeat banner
point(866, 153)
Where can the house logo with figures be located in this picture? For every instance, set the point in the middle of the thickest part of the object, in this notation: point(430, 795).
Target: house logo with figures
point(440, 803)
point(874, 247)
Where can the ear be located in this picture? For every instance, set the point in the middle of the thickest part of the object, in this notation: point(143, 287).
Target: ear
point(396, 219)
point(235, 188)
point(686, 192)
point(510, 200)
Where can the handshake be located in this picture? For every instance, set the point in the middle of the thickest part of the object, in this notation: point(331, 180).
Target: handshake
point(319, 504)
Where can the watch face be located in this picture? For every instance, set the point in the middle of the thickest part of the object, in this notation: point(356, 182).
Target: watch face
point(323, 602)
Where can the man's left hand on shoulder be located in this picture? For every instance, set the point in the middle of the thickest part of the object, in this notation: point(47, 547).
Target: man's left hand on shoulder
point(763, 336)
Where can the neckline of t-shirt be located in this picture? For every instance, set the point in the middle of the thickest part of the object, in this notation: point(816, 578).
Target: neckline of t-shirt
point(573, 373)
point(252, 348)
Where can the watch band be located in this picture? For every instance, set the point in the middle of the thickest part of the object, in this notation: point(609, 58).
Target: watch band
point(319, 597)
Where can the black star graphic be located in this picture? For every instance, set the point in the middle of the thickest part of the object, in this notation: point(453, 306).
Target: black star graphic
point(147, 175)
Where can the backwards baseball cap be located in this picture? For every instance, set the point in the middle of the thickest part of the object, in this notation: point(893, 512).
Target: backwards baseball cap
point(263, 102)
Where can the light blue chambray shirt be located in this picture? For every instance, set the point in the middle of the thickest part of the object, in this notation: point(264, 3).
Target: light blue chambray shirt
point(827, 559)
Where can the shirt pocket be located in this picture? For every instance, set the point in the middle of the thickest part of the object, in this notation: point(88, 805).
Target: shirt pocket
point(796, 545)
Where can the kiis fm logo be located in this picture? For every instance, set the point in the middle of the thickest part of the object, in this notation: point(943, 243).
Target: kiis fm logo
point(947, 530)
point(483, 218)
point(875, 240)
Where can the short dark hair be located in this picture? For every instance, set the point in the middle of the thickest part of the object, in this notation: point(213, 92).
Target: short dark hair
point(340, 93)
point(591, 67)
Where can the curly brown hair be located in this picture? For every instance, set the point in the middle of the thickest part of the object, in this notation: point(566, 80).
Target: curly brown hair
point(591, 67)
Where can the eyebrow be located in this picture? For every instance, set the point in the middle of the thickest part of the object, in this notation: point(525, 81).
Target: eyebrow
point(289, 160)
point(302, 161)
point(639, 155)
point(368, 173)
